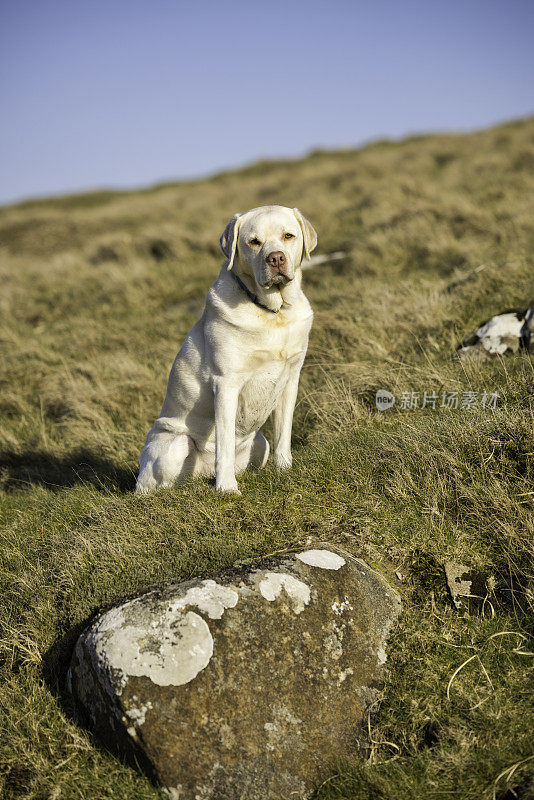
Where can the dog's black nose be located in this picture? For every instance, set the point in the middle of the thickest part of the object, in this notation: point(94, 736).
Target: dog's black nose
point(276, 260)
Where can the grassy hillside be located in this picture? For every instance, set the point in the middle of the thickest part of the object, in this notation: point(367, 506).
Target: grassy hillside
point(98, 291)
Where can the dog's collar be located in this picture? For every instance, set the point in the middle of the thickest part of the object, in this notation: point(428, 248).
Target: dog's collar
point(252, 296)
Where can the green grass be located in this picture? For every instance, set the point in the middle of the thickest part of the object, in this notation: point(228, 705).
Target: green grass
point(98, 292)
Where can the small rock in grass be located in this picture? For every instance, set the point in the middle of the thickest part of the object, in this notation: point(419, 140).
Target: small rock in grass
point(505, 333)
point(469, 587)
point(252, 683)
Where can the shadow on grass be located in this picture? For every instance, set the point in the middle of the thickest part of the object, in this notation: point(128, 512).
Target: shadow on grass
point(55, 664)
point(19, 471)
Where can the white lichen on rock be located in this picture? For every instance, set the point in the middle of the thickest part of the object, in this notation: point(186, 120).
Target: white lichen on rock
point(137, 714)
point(174, 792)
point(321, 558)
point(344, 674)
point(172, 653)
point(210, 597)
point(173, 648)
point(284, 725)
point(338, 607)
point(272, 583)
point(333, 643)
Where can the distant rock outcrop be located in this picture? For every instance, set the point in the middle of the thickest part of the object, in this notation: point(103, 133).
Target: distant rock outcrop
point(251, 684)
point(505, 333)
point(326, 258)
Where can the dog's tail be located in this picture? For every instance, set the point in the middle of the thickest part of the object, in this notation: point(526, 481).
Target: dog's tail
point(163, 455)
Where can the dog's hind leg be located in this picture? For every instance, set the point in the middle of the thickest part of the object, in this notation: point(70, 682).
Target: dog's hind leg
point(260, 451)
point(254, 454)
point(165, 458)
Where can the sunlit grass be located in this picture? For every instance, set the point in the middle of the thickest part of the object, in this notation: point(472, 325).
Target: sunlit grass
point(97, 295)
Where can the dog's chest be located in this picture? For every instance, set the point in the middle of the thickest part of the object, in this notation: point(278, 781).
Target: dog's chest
point(269, 372)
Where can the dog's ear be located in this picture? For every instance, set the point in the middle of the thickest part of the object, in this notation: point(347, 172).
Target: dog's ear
point(228, 240)
point(309, 235)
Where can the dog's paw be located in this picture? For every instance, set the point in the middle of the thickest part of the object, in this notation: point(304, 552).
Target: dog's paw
point(228, 487)
point(145, 487)
point(283, 461)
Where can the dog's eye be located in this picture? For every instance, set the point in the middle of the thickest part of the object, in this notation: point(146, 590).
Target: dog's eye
point(289, 235)
point(255, 242)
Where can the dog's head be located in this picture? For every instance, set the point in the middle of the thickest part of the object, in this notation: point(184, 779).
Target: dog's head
point(268, 243)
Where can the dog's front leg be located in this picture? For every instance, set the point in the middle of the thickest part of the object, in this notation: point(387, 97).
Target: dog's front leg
point(226, 396)
point(283, 422)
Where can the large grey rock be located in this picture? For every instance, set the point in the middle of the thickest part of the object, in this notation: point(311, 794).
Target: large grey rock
point(251, 684)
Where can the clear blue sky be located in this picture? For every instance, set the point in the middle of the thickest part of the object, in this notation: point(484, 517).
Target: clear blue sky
point(125, 93)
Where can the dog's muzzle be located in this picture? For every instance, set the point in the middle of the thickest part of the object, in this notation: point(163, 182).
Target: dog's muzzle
point(277, 268)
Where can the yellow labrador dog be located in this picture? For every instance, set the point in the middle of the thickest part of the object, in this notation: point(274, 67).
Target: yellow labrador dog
point(241, 361)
